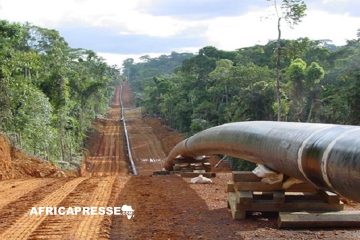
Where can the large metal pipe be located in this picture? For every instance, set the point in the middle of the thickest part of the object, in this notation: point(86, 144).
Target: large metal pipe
point(128, 146)
point(326, 155)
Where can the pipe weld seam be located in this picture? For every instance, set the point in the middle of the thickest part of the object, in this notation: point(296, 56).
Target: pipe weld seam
point(301, 150)
point(325, 157)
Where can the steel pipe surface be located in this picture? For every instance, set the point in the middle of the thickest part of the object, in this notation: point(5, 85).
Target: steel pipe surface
point(128, 146)
point(326, 155)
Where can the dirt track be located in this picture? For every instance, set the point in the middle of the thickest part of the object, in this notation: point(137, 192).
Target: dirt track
point(166, 207)
point(107, 151)
point(105, 173)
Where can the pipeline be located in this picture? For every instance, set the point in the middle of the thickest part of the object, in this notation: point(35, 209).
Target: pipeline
point(128, 146)
point(325, 155)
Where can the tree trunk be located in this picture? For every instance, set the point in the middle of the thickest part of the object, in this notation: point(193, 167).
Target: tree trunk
point(47, 152)
point(278, 73)
point(62, 147)
point(310, 112)
point(226, 94)
point(20, 140)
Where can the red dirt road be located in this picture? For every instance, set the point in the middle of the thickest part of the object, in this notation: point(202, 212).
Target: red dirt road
point(166, 207)
point(107, 156)
point(104, 175)
point(169, 207)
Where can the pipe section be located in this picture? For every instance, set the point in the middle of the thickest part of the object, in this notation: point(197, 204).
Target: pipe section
point(128, 146)
point(326, 155)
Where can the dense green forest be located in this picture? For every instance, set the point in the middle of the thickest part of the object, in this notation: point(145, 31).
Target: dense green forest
point(320, 82)
point(148, 67)
point(49, 92)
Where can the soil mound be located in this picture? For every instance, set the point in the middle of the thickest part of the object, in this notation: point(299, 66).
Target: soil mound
point(6, 170)
point(16, 164)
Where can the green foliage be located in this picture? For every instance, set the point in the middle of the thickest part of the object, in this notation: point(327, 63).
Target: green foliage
point(304, 86)
point(314, 74)
point(141, 74)
point(293, 10)
point(50, 93)
point(341, 98)
point(214, 87)
point(240, 165)
point(296, 70)
point(197, 125)
point(208, 90)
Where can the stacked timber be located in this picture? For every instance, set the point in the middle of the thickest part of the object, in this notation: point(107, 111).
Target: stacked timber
point(247, 194)
point(199, 165)
point(190, 167)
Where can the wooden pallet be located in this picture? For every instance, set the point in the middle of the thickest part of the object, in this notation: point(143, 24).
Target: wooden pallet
point(186, 174)
point(183, 164)
point(196, 174)
point(246, 194)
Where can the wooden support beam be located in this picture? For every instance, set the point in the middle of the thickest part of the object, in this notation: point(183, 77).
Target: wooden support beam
point(338, 219)
point(329, 197)
point(245, 176)
point(279, 196)
point(194, 174)
point(257, 186)
point(230, 186)
point(245, 197)
point(233, 205)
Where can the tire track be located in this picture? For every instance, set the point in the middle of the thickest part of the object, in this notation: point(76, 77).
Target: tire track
point(107, 221)
point(110, 156)
point(18, 188)
point(146, 145)
point(101, 142)
point(107, 157)
point(89, 227)
point(115, 165)
point(15, 209)
point(63, 227)
point(26, 224)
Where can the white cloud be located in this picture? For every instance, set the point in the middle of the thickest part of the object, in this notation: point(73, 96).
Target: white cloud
point(334, 1)
point(121, 16)
point(234, 32)
point(146, 24)
point(130, 17)
point(188, 49)
point(252, 28)
point(323, 25)
point(117, 59)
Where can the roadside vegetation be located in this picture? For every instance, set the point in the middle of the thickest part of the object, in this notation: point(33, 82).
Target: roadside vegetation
point(49, 92)
point(320, 83)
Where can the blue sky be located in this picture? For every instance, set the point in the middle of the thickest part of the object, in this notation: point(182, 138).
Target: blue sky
point(118, 29)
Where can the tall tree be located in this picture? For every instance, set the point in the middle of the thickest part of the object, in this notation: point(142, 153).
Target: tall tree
point(49, 92)
point(292, 11)
point(305, 87)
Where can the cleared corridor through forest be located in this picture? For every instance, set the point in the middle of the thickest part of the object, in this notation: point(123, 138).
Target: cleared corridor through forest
point(104, 174)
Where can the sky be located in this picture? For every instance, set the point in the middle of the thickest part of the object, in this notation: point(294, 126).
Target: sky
point(120, 29)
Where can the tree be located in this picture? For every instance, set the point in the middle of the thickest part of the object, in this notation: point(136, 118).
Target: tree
point(49, 92)
point(222, 74)
point(296, 75)
point(292, 11)
point(305, 88)
point(314, 74)
point(11, 41)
